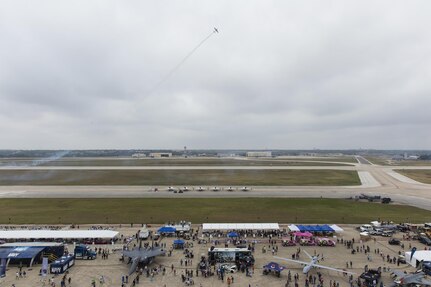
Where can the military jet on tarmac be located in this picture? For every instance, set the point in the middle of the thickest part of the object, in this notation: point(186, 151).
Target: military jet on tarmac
point(142, 255)
point(410, 279)
point(312, 264)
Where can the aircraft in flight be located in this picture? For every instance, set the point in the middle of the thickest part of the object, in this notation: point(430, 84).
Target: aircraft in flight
point(312, 264)
point(215, 30)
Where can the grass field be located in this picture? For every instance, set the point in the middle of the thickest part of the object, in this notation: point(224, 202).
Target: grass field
point(176, 162)
point(180, 177)
point(155, 210)
point(423, 175)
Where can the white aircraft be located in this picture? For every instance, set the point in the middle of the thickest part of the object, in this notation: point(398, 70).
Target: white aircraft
point(215, 188)
point(171, 188)
point(245, 188)
point(200, 188)
point(230, 188)
point(312, 264)
point(185, 188)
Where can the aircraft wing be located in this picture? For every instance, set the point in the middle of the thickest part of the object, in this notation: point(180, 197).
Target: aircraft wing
point(417, 279)
point(306, 253)
point(135, 262)
point(292, 260)
point(398, 273)
point(333, 269)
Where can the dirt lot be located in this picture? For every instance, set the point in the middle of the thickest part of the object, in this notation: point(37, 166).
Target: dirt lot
point(112, 269)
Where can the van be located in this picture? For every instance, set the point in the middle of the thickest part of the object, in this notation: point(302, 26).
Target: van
point(366, 228)
point(425, 240)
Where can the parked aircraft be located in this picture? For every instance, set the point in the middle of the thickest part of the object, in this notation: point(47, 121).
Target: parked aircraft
point(312, 264)
point(142, 255)
point(200, 188)
point(245, 188)
point(215, 188)
point(410, 279)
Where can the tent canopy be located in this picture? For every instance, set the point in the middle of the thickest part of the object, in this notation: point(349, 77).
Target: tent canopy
point(274, 266)
point(336, 228)
point(293, 228)
point(20, 252)
point(56, 234)
point(167, 229)
point(303, 234)
point(232, 234)
point(240, 226)
point(315, 228)
point(179, 241)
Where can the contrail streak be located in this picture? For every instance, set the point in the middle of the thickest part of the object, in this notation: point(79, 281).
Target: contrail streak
point(171, 72)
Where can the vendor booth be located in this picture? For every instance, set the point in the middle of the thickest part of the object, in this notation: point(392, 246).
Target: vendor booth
point(62, 264)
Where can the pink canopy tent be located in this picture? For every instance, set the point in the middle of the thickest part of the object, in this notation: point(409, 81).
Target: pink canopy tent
point(303, 234)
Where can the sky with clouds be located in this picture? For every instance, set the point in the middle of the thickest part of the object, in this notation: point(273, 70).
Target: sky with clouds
point(279, 74)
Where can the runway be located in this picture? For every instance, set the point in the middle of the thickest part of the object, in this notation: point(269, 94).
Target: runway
point(376, 180)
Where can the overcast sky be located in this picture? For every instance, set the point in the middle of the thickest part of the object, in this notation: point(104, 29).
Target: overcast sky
point(279, 74)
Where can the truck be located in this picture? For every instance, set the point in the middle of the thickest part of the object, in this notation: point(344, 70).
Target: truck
point(84, 252)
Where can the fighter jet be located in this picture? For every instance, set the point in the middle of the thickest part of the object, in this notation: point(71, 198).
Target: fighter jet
point(312, 264)
point(142, 255)
point(410, 279)
point(215, 30)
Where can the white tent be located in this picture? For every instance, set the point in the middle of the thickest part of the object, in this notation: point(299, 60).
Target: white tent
point(336, 228)
point(240, 226)
point(418, 256)
point(57, 234)
point(293, 228)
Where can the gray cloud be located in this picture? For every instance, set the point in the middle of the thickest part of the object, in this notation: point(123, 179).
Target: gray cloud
point(280, 74)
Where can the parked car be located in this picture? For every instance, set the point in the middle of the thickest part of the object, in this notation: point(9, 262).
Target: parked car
point(387, 233)
point(394, 241)
point(425, 240)
point(229, 268)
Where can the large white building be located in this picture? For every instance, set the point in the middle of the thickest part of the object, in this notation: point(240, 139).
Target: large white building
point(259, 154)
point(160, 154)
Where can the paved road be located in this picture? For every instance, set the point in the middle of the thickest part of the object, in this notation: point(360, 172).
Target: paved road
point(379, 180)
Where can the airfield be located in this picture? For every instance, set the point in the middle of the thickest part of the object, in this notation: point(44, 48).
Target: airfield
point(305, 181)
point(117, 192)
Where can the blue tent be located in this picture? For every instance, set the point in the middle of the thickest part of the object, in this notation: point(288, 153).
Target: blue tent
point(167, 229)
point(179, 242)
point(232, 234)
point(315, 228)
point(274, 266)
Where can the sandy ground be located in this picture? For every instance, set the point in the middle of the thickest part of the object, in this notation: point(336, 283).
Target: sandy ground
point(112, 269)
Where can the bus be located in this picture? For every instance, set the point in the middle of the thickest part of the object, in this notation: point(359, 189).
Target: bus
point(222, 255)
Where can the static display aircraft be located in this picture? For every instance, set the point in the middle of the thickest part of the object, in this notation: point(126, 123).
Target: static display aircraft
point(245, 188)
point(200, 188)
point(410, 279)
point(215, 188)
point(142, 255)
point(230, 188)
point(312, 264)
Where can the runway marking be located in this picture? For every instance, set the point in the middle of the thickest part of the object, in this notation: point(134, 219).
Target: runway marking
point(403, 178)
point(367, 180)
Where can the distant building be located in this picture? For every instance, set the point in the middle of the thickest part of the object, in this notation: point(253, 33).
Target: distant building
point(160, 154)
point(139, 155)
point(259, 154)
